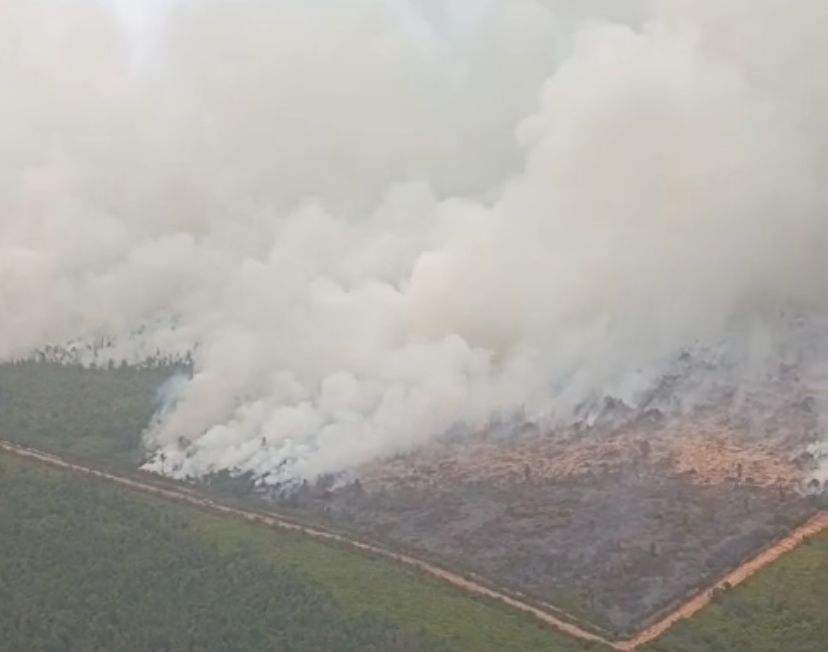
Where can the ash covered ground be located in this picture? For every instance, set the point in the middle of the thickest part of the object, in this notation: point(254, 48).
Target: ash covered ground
point(613, 523)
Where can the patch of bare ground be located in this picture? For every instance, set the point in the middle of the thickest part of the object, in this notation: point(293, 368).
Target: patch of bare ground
point(614, 526)
point(738, 575)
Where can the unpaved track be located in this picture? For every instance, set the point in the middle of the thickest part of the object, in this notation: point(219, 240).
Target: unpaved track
point(442, 574)
point(686, 610)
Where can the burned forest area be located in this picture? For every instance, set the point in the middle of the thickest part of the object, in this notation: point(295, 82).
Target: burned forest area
point(611, 529)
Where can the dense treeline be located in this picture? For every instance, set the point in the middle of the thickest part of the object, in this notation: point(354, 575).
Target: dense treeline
point(91, 413)
point(90, 568)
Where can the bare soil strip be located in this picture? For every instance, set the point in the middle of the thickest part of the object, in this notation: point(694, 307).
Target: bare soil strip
point(442, 574)
point(688, 609)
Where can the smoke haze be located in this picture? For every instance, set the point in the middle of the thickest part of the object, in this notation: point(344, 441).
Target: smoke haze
point(373, 222)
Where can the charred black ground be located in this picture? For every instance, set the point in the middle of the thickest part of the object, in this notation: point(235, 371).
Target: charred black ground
point(610, 528)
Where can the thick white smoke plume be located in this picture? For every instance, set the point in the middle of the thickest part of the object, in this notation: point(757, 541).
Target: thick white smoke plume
point(374, 221)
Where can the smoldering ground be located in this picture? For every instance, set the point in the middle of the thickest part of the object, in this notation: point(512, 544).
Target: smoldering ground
point(371, 222)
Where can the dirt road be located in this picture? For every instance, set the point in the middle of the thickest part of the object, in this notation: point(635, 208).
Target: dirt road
point(688, 609)
point(442, 574)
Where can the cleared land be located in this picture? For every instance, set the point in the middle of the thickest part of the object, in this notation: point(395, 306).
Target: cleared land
point(606, 528)
point(617, 523)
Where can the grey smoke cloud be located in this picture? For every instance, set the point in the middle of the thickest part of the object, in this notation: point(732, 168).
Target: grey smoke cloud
point(375, 221)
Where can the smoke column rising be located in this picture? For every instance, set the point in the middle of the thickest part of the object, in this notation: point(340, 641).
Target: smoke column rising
point(373, 222)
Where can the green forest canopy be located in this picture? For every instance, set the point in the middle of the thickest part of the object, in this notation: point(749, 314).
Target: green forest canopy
point(96, 414)
point(88, 567)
